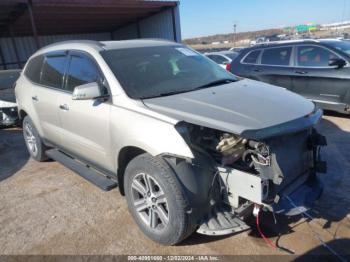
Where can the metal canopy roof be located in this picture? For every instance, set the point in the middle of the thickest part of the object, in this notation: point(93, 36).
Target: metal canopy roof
point(50, 17)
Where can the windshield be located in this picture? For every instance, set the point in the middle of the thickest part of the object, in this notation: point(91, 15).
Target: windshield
point(163, 70)
point(340, 45)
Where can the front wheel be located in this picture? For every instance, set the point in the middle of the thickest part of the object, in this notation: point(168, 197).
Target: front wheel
point(35, 146)
point(156, 201)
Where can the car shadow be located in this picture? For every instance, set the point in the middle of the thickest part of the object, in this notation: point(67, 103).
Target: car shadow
point(334, 204)
point(13, 152)
point(339, 246)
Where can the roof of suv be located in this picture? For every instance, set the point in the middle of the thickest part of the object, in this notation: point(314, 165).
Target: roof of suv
point(297, 41)
point(107, 45)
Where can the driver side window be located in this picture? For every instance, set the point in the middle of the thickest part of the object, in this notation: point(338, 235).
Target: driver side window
point(314, 56)
point(82, 71)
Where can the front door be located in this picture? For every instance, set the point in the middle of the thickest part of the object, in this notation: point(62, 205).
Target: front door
point(85, 123)
point(315, 79)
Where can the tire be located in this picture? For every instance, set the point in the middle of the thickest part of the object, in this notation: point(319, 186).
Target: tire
point(35, 146)
point(170, 201)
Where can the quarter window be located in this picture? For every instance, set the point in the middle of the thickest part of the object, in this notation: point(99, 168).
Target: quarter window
point(276, 56)
point(33, 69)
point(53, 71)
point(81, 71)
point(314, 56)
point(252, 57)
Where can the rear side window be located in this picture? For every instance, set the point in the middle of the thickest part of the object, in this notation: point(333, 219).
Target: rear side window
point(276, 56)
point(33, 69)
point(252, 57)
point(53, 71)
point(81, 71)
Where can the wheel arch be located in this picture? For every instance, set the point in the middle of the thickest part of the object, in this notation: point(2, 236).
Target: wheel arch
point(22, 114)
point(126, 154)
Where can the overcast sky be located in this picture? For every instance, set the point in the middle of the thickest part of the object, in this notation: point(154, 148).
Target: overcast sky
point(208, 17)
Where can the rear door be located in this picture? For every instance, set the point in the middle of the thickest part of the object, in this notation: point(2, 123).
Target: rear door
point(45, 93)
point(315, 79)
point(245, 65)
point(85, 123)
point(275, 66)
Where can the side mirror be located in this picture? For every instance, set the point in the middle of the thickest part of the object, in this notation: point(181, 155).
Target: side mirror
point(87, 91)
point(338, 62)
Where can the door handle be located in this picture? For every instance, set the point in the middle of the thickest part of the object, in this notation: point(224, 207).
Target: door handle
point(35, 98)
point(257, 70)
point(64, 107)
point(301, 72)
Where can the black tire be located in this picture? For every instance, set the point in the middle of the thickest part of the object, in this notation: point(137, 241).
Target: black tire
point(28, 130)
point(179, 226)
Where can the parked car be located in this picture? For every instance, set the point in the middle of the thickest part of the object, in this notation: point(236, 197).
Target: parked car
point(316, 69)
point(8, 106)
point(191, 147)
point(223, 58)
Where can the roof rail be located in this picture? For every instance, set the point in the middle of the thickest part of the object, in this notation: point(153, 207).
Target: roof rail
point(287, 42)
point(91, 42)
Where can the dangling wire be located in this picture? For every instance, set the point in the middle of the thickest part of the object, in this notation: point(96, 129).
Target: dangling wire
point(268, 241)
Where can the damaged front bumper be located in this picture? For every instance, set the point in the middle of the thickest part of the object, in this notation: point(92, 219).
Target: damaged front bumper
point(275, 168)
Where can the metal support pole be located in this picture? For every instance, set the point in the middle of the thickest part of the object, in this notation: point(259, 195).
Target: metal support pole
point(32, 21)
point(15, 47)
point(173, 16)
point(234, 35)
point(138, 28)
point(2, 58)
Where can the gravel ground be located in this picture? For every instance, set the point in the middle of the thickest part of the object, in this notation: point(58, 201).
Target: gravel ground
point(47, 209)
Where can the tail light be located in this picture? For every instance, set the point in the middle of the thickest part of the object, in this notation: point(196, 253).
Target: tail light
point(228, 67)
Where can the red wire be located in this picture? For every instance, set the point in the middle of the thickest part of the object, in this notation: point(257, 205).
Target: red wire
point(268, 241)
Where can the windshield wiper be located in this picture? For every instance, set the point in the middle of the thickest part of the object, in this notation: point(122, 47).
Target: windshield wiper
point(165, 94)
point(216, 83)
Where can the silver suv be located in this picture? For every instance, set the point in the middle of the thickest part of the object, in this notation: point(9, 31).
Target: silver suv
point(192, 147)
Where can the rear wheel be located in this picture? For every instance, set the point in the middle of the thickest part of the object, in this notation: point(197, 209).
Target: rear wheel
point(34, 144)
point(156, 201)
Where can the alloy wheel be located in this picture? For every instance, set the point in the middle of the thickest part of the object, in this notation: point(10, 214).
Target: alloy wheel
point(150, 201)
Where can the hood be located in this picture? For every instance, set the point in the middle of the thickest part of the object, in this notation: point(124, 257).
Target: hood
point(235, 107)
point(8, 95)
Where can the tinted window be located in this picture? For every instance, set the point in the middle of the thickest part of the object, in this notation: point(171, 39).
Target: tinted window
point(81, 71)
point(53, 71)
point(314, 56)
point(33, 68)
point(276, 56)
point(146, 72)
point(218, 59)
point(252, 57)
point(340, 45)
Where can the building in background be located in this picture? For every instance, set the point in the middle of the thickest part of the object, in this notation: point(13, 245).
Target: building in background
point(27, 25)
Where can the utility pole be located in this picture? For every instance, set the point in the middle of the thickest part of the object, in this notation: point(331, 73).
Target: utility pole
point(234, 34)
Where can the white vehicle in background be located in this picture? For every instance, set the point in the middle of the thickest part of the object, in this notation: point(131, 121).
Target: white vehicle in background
point(8, 106)
point(223, 58)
